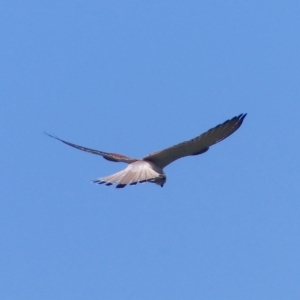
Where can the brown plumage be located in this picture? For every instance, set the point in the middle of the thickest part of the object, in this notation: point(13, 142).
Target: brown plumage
point(150, 168)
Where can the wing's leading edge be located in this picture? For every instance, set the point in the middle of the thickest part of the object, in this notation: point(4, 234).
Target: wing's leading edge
point(109, 156)
point(198, 145)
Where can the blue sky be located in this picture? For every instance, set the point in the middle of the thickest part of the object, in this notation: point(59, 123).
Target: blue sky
point(134, 77)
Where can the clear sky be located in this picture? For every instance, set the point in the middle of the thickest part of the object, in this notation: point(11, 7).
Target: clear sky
point(134, 77)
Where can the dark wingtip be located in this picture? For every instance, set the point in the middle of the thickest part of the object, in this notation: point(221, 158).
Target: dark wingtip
point(52, 136)
point(48, 134)
point(242, 117)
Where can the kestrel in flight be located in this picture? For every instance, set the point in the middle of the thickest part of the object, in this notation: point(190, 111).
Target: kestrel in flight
point(150, 168)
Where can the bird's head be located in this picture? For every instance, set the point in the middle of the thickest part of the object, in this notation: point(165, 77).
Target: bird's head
point(161, 180)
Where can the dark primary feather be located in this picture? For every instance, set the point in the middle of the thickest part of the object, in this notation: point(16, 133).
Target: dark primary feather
point(109, 156)
point(197, 145)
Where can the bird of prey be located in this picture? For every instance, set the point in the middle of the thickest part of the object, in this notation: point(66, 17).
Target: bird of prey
point(150, 168)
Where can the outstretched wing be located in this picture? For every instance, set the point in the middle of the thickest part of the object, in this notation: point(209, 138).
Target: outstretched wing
point(109, 156)
point(197, 145)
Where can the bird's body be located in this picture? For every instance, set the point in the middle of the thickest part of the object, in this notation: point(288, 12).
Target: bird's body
point(150, 168)
point(138, 171)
